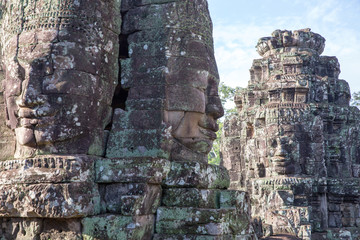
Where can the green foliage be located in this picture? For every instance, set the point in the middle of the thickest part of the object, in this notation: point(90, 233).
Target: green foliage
point(214, 154)
point(226, 94)
point(355, 99)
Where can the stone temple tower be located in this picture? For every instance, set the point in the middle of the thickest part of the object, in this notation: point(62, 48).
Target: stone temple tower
point(294, 144)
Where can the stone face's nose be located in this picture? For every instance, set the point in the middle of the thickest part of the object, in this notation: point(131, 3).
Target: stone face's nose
point(31, 92)
point(29, 100)
point(282, 148)
point(281, 151)
point(214, 107)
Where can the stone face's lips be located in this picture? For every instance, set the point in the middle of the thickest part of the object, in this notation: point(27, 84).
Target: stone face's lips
point(28, 122)
point(27, 113)
point(198, 144)
point(208, 133)
point(280, 160)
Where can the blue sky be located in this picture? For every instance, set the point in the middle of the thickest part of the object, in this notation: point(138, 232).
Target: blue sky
point(238, 24)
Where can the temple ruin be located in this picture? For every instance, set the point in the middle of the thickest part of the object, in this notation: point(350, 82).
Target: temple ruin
point(109, 112)
point(294, 143)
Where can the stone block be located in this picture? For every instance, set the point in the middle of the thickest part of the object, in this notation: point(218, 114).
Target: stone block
point(197, 175)
point(200, 221)
point(180, 42)
point(20, 228)
point(191, 197)
point(180, 153)
point(335, 186)
point(117, 227)
point(48, 169)
point(202, 237)
point(281, 198)
point(65, 200)
point(335, 220)
point(332, 207)
point(178, 99)
point(137, 119)
point(288, 220)
point(231, 198)
point(305, 232)
point(147, 104)
point(150, 92)
point(130, 143)
point(167, 15)
point(59, 229)
point(132, 198)
point(152, 170)
point(138, 72)
point(127, 4)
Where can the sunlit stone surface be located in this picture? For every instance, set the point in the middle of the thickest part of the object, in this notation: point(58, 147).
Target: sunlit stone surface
point(294, 144)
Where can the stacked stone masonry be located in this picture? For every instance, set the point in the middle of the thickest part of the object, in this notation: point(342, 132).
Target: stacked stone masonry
point(294, 143)
point(109, 111)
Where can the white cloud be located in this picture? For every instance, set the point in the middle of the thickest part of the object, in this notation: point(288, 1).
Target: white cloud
point(235, 51)
point(336, 20)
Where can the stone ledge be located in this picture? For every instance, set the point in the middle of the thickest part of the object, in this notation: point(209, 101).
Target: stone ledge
point(132, 198)
point(197, 175)
point(202, 237)
point(68, 200)
point(200, 221)
point(149, 170)
point(48, 169)
point(138, 143)
point(117, 227)
point(204, 198)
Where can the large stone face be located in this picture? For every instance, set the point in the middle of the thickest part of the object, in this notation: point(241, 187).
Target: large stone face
point(111, 109)
point(293, 145)
point(61, 68)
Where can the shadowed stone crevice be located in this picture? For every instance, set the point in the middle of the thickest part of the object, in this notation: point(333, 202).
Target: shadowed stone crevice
point(124, 46)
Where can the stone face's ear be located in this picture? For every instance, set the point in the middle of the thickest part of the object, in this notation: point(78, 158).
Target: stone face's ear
point(7, 137)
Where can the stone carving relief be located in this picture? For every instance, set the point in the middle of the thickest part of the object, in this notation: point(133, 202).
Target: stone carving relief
point(193, 104)
point(293, 141)
point(111, 110)
point(60, 60)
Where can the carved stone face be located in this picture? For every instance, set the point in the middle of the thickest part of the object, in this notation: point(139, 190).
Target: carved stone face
point(193, 102)
point(57, 97)
point(280, 154)
point(197, 130)
point(287, 38)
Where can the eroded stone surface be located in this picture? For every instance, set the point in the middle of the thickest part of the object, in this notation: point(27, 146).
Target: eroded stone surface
point(197, 174)
point(132, 198)
point(67, 200)
point(48, 169)
point(61, 66)
point(118, 227)
point(131, 170)
point(293, 144)
point(133, 81)
point(184, 221)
